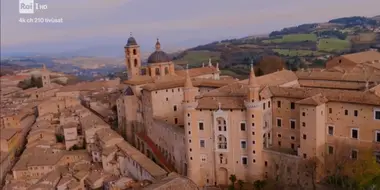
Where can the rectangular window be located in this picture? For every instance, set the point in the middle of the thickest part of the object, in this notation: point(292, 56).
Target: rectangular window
point(331, 150)
point(201, 127)
point(175, 121)
point(243, 144)
point(377, 136)
point(242, 126)
point(279, 122)
point(345, 112)
point(356, 113)
point(279, 104)
point(292, 105)
point(175, 108)
point(244, 160)
point(304, 136)
point(330, 110)
point(263, 106)
point(268, 104)
point(377, 114)
point(354, 133)
point(203, 158)
point(354, 154)
point(377, 155)
point(202, 143)
point(331, 130)
point(292, 146)
point(292, 124)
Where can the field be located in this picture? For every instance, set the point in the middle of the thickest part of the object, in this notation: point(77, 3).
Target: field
point(196, 58)
point(333, 44)
point(293, 38)
point(288, 52)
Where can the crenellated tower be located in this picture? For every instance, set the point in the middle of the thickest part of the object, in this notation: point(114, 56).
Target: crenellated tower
point(132, 57)
point(255, 125)
point(192, 136)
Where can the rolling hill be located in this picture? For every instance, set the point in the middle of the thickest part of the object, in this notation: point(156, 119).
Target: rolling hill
point(306, 45)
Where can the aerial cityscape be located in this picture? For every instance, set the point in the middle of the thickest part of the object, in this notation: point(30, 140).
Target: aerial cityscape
point(288, 107)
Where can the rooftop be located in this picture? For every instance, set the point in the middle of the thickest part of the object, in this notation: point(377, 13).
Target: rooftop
point(8, 133)
point(363, 57)
point(151, 167)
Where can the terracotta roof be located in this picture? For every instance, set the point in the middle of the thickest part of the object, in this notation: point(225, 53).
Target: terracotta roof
point(7, 133)
point(375, 90)
point(15, 77)
point(240, 88)
point(138, 80)
point(337, 76)
point(314, 100)
point(194, 72)
point(86, 86)
point(232, 102)
point(331, 84)
point(180, 81)
point(348, 96)
point(363, 57)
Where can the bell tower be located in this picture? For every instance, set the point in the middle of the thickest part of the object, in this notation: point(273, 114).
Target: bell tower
point(255, 127)
point(132, 57)
point(45, 77)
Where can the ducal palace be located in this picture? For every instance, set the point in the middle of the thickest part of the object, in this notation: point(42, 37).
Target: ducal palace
point(207, 127)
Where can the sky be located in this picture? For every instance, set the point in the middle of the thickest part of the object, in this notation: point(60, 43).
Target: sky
point(178, 23)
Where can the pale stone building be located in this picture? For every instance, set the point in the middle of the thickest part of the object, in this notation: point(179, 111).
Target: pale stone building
point(152, 103)
point(209, 129)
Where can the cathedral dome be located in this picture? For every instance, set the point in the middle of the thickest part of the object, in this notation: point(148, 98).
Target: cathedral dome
point(158, 56)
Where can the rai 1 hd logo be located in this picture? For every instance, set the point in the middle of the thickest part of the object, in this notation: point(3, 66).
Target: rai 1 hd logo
point(26, 7)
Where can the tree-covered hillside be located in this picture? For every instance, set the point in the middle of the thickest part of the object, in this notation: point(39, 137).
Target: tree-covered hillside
point(306, 45)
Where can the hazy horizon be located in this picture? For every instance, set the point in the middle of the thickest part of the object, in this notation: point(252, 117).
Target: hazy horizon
point(179, 24)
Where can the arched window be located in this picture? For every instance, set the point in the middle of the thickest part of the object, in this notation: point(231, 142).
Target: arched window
point(136, 63)
point(222, 125)
point(222, 142)
point(157, 71)
point(134, 52)
point(129, 63)
point(166, 70)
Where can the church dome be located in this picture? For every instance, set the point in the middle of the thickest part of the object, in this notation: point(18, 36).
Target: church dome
point(131, 41)
point(158, 56)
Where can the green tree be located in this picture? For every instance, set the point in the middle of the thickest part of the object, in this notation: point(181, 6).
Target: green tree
point(259, 184)
point(240, 183)
point(36, 82)
point(365, 171)
point(59, 138)
point(233, 181)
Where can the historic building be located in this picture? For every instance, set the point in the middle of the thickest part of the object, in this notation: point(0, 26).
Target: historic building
point(208, 127)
